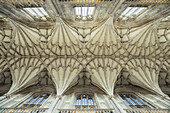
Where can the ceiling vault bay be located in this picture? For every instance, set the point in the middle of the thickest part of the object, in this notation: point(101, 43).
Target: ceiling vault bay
point(65, 47)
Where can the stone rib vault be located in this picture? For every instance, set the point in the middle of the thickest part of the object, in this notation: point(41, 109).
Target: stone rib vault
point(26, 51)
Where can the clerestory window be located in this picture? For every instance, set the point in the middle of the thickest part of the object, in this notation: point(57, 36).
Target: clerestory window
point(35, 101)
point(84, 100)
point(134, 101)
point(84, 13)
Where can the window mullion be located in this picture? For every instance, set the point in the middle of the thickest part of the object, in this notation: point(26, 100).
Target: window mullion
point(126, 98)
point(33, 103)
point(84, 101)
point(133, 100)
point(87, 100)
point(42, 98)
point(81, 100)
point(138, 101)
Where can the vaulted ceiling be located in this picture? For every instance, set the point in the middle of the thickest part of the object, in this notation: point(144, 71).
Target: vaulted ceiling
point(104, 46)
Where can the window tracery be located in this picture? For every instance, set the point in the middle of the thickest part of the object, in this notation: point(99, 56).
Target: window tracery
point(84, 101)
point(133, 101)
point(35, 101)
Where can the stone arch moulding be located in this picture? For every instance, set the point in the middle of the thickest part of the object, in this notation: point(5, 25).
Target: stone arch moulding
point(84, 85)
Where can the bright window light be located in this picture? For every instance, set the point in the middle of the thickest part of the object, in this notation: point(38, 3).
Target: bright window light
point(84, 18)
point(84, 13)
point(30, 11)
point(126, 11)
point(43, 11)
point(132, 11)
point(166, 19)
point(78, 10)
point(139, 10)
point(37, 12)
point(91, 10)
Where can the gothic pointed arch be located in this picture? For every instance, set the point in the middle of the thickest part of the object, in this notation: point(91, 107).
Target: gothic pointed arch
point(83, 84)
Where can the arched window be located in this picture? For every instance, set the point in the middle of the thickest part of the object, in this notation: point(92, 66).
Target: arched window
point(84, 101)
point(35, 101)
point(134, 101)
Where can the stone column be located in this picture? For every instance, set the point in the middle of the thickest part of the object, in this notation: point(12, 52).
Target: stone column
point(116, 104)
point(23, 99)
point(53, 105)
point(96, 100)
point(7, 99)
point(73, 100)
